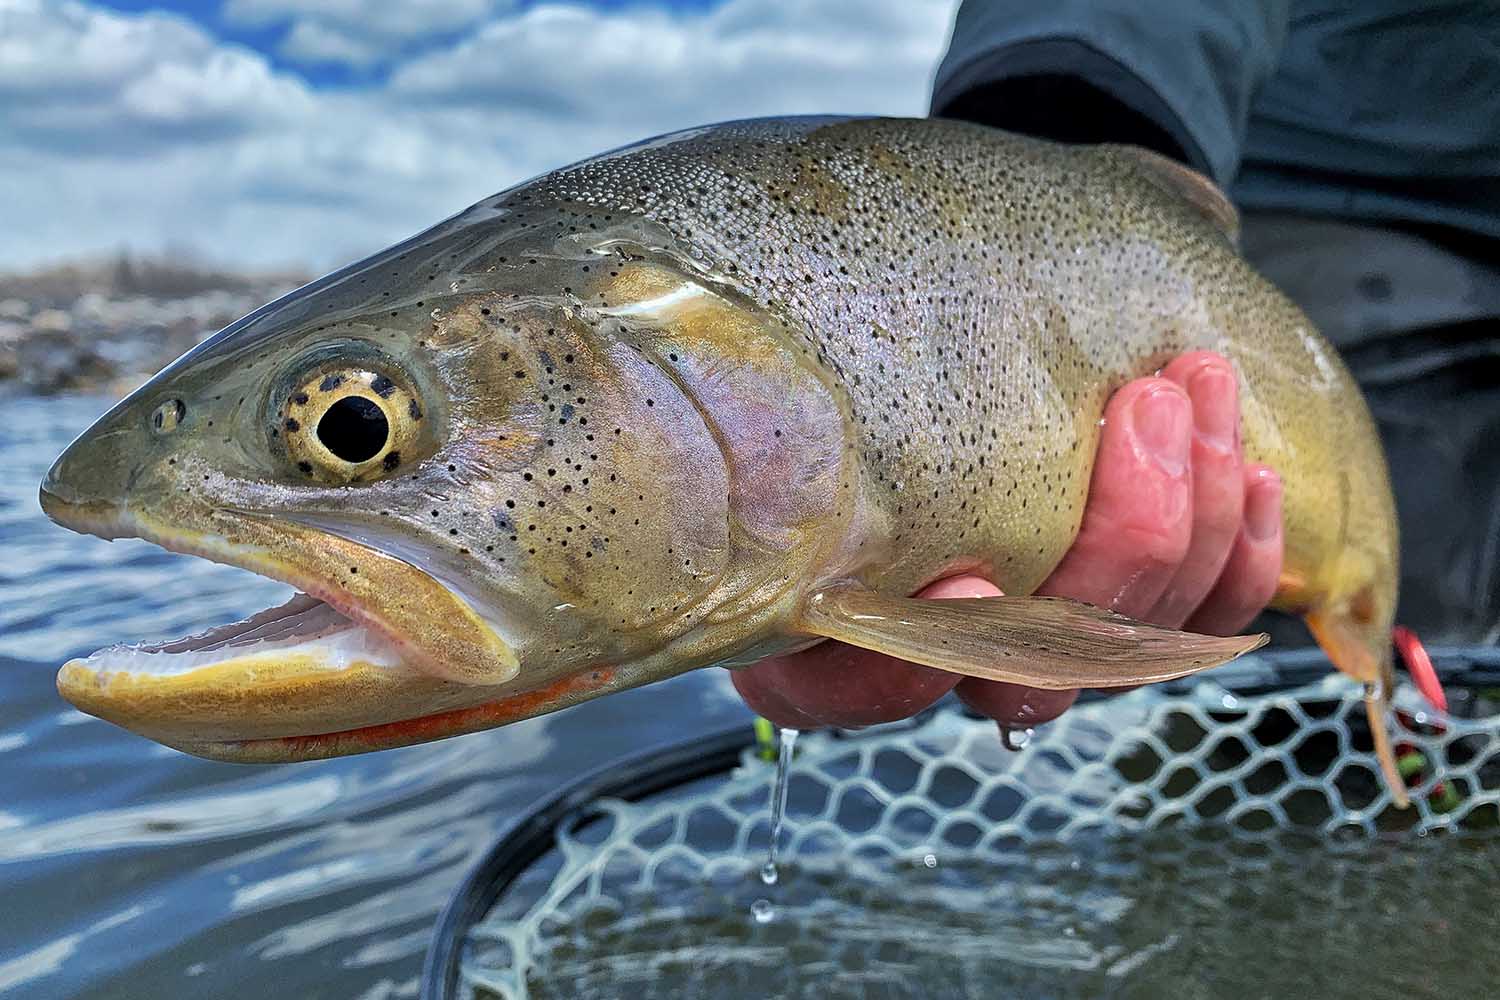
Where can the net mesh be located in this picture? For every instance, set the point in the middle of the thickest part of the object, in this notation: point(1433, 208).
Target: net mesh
point(924, 806)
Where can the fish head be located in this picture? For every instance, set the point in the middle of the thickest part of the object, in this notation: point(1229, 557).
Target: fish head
point(492, 495)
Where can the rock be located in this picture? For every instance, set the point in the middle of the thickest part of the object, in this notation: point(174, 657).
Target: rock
point(52, 321)
point(82, 327)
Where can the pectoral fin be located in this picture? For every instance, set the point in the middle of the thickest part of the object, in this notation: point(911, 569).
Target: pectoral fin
point(1043, 642)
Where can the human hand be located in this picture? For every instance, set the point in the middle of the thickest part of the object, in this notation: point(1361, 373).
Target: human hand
point(1178, 531)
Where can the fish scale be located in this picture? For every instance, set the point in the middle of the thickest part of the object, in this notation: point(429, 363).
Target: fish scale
point(703, 400)
point(975, 363)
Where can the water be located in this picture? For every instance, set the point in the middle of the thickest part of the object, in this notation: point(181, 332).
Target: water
point(778, 802)
point(1015, 739)
point(130, 870)
point(1164, 915)
point(762, 910)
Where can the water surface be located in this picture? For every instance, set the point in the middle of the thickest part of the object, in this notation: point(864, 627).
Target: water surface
point(1160, 916)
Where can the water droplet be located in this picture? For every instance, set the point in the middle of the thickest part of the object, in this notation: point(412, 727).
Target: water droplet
point(1015, 739)
point(768, 873)
point(930, 860)
point(762, 911)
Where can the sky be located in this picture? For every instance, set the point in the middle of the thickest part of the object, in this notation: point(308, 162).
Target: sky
point(307, 133)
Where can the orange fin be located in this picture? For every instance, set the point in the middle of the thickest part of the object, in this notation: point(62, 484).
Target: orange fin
point(1355, 651)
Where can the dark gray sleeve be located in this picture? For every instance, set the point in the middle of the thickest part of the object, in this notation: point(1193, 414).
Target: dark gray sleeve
point(1191, 67)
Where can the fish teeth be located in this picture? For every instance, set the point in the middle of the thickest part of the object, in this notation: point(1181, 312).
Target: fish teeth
point(292, 610)
point(303, 624)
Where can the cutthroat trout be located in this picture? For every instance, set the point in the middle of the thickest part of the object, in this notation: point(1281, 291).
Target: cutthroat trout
point(702, 400)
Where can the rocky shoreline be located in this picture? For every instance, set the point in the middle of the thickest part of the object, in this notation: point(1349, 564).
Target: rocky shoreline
point(109, 325)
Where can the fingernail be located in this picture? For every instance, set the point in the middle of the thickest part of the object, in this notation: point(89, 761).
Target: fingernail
point(1161, 419)
point(1215, 409)
point(1263, 508)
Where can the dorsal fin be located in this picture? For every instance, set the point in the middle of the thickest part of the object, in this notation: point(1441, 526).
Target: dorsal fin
point(1185, 183)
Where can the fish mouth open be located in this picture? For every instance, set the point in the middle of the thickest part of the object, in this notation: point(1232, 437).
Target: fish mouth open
point(380, 657)
point(294, 670)
point(301, 623)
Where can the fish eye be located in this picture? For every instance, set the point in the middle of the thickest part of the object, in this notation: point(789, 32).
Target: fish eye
point(354, 429)
point(348, 424)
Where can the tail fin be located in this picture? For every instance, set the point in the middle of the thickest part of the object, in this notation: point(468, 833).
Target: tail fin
point(1365, 655)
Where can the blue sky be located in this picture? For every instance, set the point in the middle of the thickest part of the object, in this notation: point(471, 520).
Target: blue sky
point(269, 35)
point(309, 132)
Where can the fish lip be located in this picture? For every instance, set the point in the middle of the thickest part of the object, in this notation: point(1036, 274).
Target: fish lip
point(111, 520)
point(102, 518)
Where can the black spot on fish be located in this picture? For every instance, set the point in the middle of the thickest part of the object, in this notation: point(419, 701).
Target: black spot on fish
point(383, 386)
point(391, 460)
point(567, 411)
point(305, 467)
point(414, 410)
point(300, 398)
point(331, 383)
point(292, 425)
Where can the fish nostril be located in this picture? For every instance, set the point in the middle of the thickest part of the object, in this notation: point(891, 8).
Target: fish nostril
point(166, 417)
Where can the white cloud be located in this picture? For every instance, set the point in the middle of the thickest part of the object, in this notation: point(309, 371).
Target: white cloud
point(85, 81)
point(744, 58)
point(356, 32)
point(143, 130)
point(311, 42)
point(412, 18)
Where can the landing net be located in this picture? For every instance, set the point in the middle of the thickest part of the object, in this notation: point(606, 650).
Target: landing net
point(919, 820)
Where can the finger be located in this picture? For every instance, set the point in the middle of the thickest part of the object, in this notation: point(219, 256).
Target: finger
point(1138, 520)
point(1218, 483)
point(1007, 704)
point(1249, 579)
point(1014, 704)
point(835, 684)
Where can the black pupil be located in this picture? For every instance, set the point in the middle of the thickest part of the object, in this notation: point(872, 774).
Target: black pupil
point(354, 429)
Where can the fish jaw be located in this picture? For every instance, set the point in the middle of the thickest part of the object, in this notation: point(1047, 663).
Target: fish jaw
point(438, 725)
point(371, 640)
point(301, 667)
